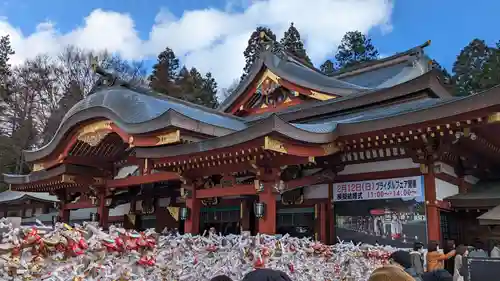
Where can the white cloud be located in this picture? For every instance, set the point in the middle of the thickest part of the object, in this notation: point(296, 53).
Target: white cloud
point(210, 39)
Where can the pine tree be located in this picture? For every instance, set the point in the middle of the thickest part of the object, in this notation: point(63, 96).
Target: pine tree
point(292, 43)
point(355, 48)
point(471, 68)
point(162, 79)
point(328, 67)
point(251, 53)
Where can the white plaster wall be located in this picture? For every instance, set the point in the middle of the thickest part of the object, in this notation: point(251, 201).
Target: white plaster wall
point(447, 169)
point(445, 189)
point(390, 165)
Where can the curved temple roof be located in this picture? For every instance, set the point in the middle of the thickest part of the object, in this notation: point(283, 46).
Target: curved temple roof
point(13, 196)
point(378, 74)
point(293, 71)
point(137, 111)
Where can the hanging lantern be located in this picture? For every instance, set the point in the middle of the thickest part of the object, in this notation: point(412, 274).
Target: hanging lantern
point(108, 202)
point(94, 217)
point(184, 213)
point(259, 209)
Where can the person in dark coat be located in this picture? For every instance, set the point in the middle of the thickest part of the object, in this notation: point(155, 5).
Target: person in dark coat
point(221, 278)
point(437, 275)
point(266, 274)
point(449, 264)
point(403, 260)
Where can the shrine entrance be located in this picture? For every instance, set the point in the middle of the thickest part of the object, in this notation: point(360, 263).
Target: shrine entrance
point(297, 222)
point(225, 220)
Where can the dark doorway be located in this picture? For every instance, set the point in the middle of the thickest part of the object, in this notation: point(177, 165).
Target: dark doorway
point(297, 222)
point(225, 220)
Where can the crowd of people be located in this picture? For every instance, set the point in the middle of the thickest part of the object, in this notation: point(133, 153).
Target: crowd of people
point(415, 265)
point(440, 265)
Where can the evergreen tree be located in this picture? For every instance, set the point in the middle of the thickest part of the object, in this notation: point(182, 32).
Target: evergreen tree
point(251, 53)
point(471, 68)
point(292, 43)
point(491, 75)
point(328, 67)
point(162, 79)
point(5, 70)
point(195, 88)
point(355, 48)
point(209, 87)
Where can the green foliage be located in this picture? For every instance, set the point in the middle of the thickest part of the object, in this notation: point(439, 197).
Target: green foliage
point(328, 67)
point(470, 67)
point(491, 74)
point(195, 88)
point(292, 43)
point(162, 78)
point(355, 48)
point(252, 50)
point(6, 52)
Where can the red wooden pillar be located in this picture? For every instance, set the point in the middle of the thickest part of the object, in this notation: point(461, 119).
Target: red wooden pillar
point(267, 224)
point(330, 216)
point(192, 223)
point(323, 222)
point(64, 214)
point(432, 211)
point(103, 210)
point(245, 206)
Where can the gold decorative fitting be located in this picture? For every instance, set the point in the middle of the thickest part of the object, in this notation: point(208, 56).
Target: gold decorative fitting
point(94, 133)
point(268, 74)
point(274, 145)
point(330, 148)
point(38, 167)
point(494, 118)
point(174, 212)
point(170, 138)
point(68, 179)
point(320, 96)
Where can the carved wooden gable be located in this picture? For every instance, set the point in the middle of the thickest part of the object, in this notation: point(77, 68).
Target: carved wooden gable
point(272, 93)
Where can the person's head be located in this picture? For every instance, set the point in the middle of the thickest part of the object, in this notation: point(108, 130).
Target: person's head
point(433, 246)
point(437, 275)
point(478, 245)
point(418, 247)
point(401, 258)
point(221, 278)
point(462, 250)
point(450, 245)
point(266, 274)
point(390, 273)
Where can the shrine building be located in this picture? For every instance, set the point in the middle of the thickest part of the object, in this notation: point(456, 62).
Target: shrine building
point(368, 154)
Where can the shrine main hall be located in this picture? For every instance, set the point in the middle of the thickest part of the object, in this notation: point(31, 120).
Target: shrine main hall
point(379, 152)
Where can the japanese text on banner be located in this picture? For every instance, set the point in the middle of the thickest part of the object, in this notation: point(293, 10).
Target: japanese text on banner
point(378, 189)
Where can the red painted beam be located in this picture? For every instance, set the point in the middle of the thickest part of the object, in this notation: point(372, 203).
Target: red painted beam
point(239, 189)
point(137, 180)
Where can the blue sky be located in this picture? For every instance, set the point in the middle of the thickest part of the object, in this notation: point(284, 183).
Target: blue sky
point(449, 24)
